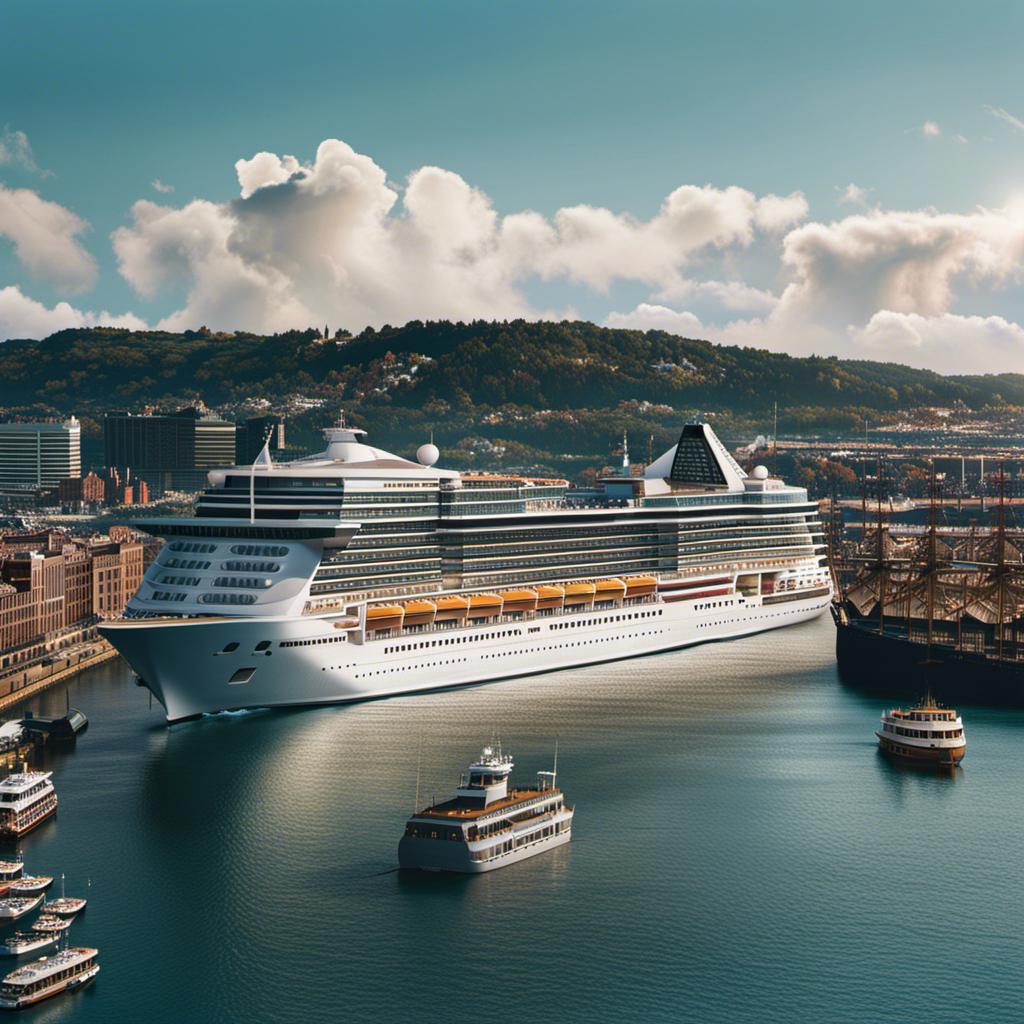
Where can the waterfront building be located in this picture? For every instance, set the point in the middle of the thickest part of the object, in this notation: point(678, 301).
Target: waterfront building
point(253, 433)
point(51, 586)
point(35, 457)
point(168, 452)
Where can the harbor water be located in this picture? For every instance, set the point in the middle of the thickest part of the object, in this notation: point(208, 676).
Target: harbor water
point(741, 852)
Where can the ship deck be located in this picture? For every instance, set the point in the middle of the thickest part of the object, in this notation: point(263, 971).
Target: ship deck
point(464, 808)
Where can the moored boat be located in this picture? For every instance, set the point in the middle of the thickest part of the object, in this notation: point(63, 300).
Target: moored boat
point(486, 825)
point(48, 976)
point(18, 906)
point(51, 923)
point(30, 885)
point(10, 869)
point(21, 943)
point(27, 799)
point(926, 734)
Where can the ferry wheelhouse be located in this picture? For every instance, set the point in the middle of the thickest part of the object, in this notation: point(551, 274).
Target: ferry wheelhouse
point(926, 734)
point(358, 574)
point(487, 825)
point(48, 976)
point(26, 801)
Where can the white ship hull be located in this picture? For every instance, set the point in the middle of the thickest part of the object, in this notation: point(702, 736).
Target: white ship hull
point(184, 663)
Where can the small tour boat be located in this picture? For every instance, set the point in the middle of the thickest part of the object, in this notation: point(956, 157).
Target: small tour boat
point(64, 906)
point(926, 734)
point(51, 923)
point(18, 906)
point(48, 976)
point(26, 801)
point(21, 943)
point(486, 825)
point(10, 869)
point(30, 885)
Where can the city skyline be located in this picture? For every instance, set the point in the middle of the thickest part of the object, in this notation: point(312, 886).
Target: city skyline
point(798, 177)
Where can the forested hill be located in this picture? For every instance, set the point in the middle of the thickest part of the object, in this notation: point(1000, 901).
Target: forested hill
point(535, 365)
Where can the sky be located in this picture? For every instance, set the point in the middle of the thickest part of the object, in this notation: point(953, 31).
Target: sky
point(806, 177)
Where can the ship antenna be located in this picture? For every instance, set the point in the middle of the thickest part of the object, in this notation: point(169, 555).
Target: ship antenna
point(554, 773)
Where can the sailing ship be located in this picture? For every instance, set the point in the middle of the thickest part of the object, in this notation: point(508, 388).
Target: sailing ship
point(937, 610)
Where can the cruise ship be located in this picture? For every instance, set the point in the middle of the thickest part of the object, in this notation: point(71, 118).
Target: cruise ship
point(357, 574)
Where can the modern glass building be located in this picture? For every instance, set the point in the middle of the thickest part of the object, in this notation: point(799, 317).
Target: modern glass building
point(37, 456)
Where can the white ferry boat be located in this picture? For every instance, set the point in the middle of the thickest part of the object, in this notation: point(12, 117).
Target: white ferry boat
point(925, 734)
point(48, 976)
point(26, 801)
point(18, 906)
point(486, 825)
point(357, 574)
point(21, 943)
point(30, 885)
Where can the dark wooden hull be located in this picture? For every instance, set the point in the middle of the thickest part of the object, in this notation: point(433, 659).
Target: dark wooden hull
point(869, 660)
point(934, 757)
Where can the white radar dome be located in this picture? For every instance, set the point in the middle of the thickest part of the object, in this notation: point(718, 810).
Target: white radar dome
point(427, 454)
point(760, 473)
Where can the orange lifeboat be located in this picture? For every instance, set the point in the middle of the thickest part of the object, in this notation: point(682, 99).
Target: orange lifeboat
point(419, 613)
point(451, 606)
point(640, 586)
point(550, 596)
point(519, 600)
point(484, 606)
point(579, 593)
point(384, 616)
point(610, 590)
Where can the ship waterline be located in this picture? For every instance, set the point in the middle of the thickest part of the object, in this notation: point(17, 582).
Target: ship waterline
point(405, 578)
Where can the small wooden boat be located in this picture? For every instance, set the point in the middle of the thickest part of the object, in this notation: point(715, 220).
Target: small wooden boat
point(64, 906)
point(51, 923)
point(30, 885)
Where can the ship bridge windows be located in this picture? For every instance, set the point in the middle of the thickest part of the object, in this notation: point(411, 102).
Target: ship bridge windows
point(249, 582)
point(178, 581)
point(167, 595)
point(185, 563)
point(192, 546)
point(237, 566)
point(226, 598)
point(259, 550)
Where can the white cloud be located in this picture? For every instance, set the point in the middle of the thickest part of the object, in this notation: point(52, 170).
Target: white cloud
point(1004, 115)
point(45, 240)
point(854, 194)
point(949, 344)
point(22, 317)
point(647, 317)
point(931, 129)
point(161, 187)
point(333, 241)
point(16, 151)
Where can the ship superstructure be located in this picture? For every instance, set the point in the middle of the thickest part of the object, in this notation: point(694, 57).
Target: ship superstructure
point(357, 574)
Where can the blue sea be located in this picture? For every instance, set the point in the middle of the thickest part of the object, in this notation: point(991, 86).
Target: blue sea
point(741, 852)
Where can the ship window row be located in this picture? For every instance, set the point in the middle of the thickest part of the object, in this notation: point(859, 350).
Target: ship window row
point(185, 563)
point(380, 567)
point(192, 546)
point(178, 581)
point(15, 990)
point(248, 582)
point(924, 734)
point(260, 550)
point(270, 482)
point(167, 595)
point(344, 585)
point(239, 566)
point(348, 556)
point(445, 642)
point(226, 598)
point(339, 639)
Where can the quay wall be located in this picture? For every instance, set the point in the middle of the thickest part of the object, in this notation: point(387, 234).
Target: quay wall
point(32, 679)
